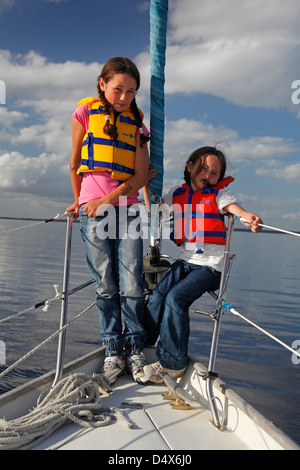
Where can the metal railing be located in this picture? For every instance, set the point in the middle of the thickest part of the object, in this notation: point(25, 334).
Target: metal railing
point(64, 302)
point(216, 316)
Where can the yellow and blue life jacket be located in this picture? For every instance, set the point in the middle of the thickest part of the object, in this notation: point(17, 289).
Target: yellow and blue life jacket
point(100, 152)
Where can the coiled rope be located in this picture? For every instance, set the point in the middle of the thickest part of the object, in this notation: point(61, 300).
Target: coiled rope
point(76, 398)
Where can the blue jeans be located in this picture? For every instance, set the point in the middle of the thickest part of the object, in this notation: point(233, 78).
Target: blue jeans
point(167, 311)
point(114, 255)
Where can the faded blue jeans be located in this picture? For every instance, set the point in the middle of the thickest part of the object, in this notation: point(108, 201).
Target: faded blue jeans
point(167, 311)
point(114, 254)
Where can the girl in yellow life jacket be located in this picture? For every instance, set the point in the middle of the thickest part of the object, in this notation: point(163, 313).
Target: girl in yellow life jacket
point(109, 164)
point(198, 206)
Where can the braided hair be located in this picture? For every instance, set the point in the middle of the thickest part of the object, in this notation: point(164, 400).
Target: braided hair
point(120, 65)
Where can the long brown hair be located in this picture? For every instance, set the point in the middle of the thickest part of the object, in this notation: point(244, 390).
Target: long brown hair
point(199, 154)
point(120, 65)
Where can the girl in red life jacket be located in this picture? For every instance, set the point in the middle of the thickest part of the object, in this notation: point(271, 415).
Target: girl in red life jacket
point(198, 207)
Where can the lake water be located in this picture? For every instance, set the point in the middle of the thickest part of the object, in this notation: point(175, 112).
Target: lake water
point(264, 287)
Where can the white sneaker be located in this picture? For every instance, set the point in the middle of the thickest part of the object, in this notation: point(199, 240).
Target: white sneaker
point(113, 367)
point(135, 365)
point(153, 373)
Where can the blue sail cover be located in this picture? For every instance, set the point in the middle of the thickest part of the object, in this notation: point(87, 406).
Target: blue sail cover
point(158, 42)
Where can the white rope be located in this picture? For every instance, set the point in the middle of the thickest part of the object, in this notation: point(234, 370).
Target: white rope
point(57, 217)
point(76, 398)
point(268, 226)
point(234, 312)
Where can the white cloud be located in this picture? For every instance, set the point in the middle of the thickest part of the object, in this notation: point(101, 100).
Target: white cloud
point(31, 77)
point(48, 93)
point(53, 136)
point(184, 136)
point(245, 52)
point(192, 20)
point(45, 175)
point(263, 149)
point(289, 173)
point(8, 118)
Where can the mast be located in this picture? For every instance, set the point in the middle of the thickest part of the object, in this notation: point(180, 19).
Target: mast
point(158, 42)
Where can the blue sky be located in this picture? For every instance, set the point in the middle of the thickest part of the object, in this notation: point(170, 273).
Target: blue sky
point(229, 74)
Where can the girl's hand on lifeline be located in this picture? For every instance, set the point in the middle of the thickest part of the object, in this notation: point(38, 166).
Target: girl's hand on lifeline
point(255, 220)
point(75, 209)
point(91, 208)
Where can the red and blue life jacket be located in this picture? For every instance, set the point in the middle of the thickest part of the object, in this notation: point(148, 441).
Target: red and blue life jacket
point(196, 217)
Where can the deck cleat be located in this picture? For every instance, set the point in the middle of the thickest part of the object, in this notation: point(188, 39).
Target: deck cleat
point(169, 395)
point(180, 404)
point(175, 392)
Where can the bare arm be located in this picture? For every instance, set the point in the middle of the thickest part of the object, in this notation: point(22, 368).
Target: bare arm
point(77, 137)
point(151, 174)
point(237, 210)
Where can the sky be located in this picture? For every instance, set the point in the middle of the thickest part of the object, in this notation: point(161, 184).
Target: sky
point(231, 66)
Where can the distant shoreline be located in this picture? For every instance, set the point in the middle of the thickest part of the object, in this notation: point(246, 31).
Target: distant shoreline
point(63, 220)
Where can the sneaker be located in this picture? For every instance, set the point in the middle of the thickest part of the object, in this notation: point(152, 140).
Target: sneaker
point(135, 365)
point(154, 372)
point(113, 367)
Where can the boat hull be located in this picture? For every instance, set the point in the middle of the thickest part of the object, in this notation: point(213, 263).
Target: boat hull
point(165, 427)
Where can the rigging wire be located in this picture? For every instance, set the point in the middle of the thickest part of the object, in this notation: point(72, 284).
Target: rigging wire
point(46, 303)
point(53, 219)
point(241, 219)
point(46, 341)
point(230, 308)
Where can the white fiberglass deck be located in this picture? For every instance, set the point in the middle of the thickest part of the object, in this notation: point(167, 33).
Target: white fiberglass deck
point(156, 425)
